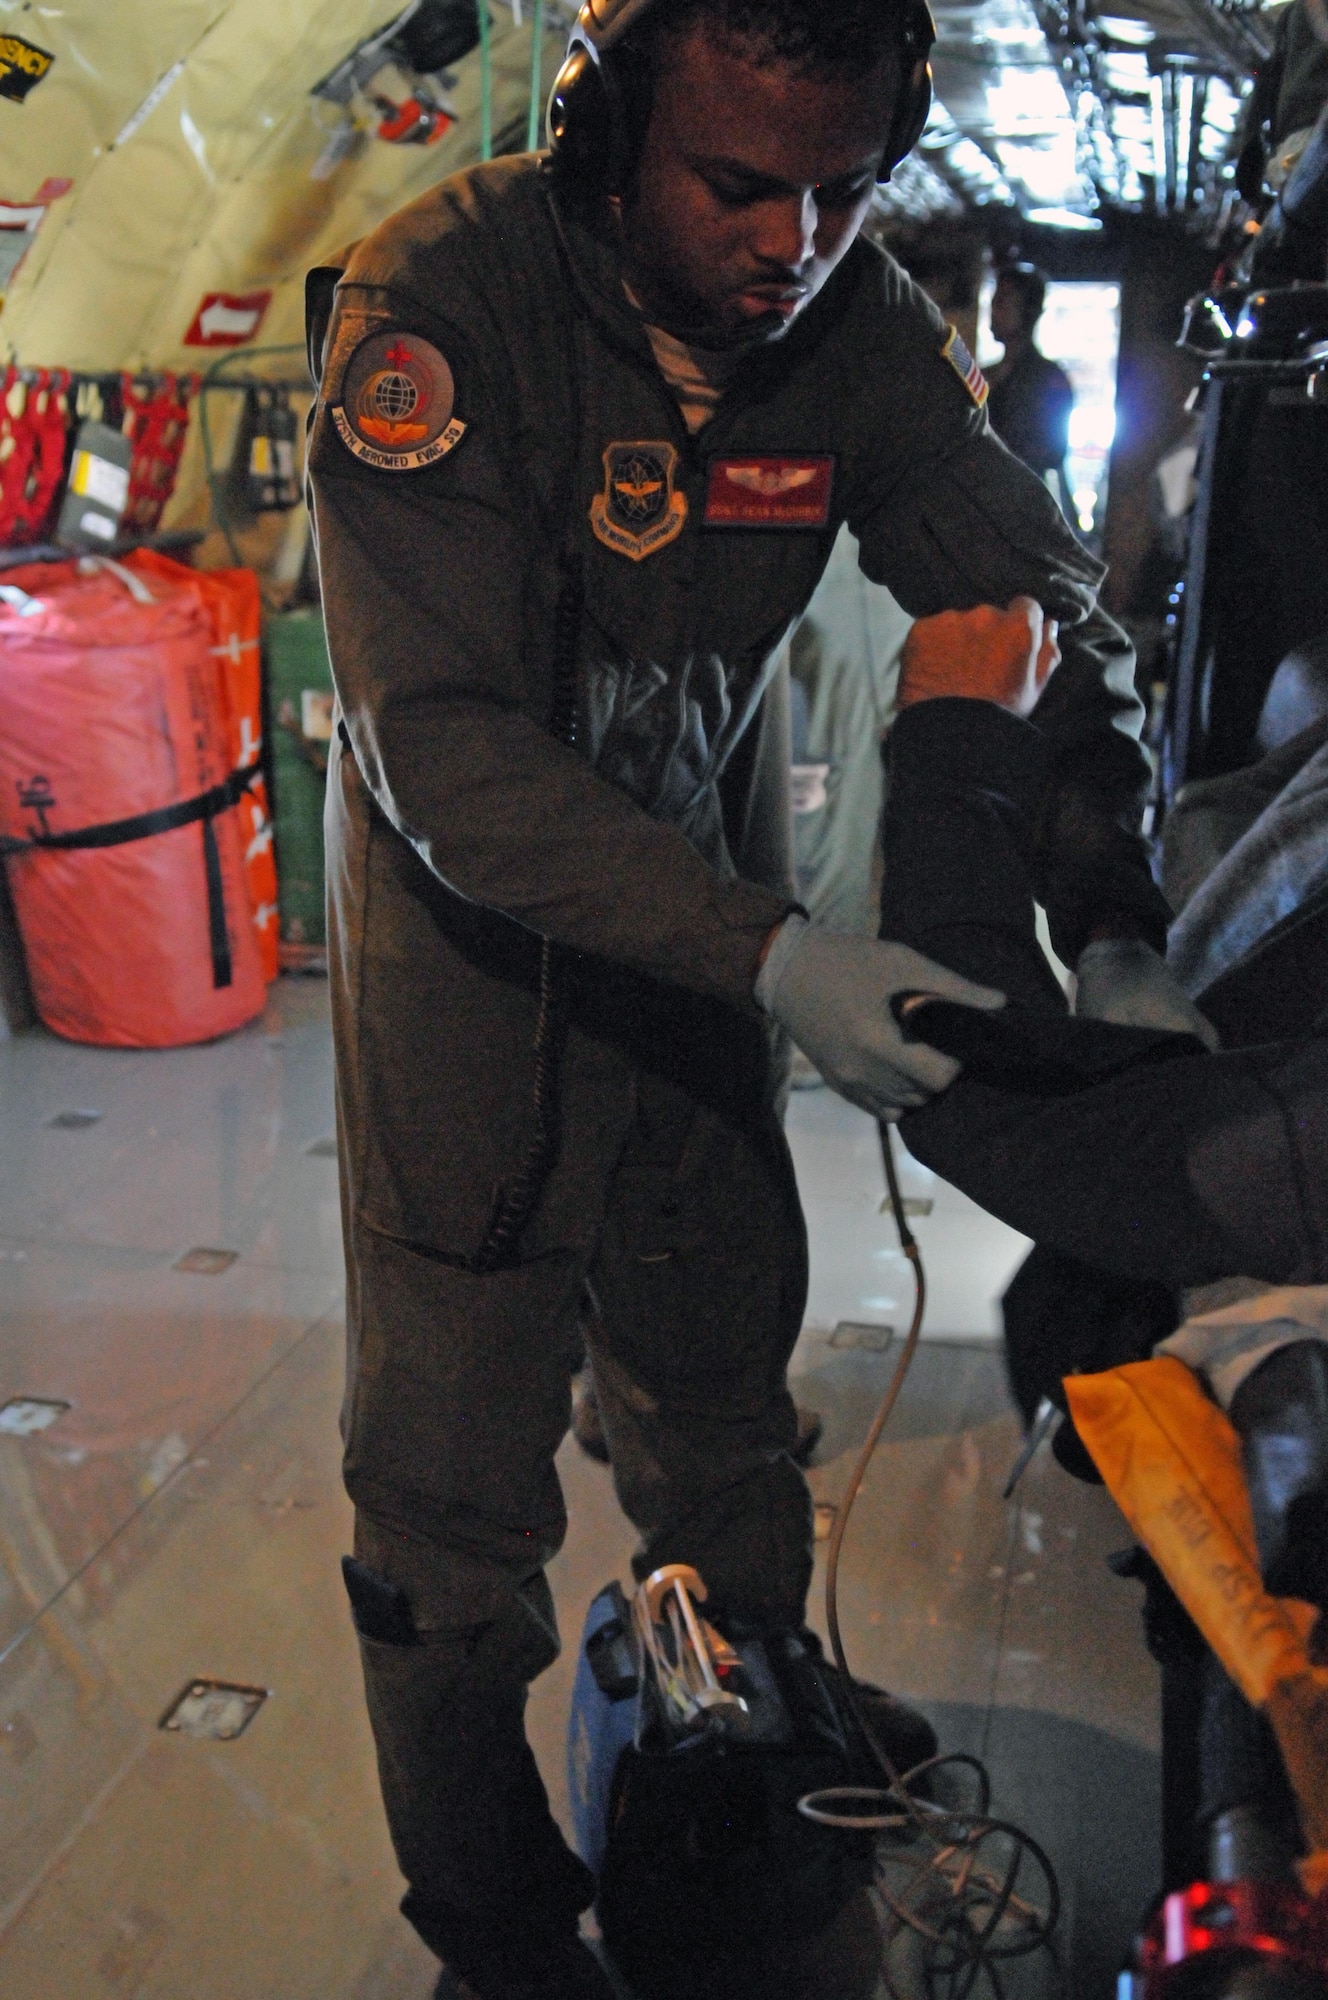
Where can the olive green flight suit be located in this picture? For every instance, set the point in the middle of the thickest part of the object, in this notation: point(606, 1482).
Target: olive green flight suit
point(570, 512)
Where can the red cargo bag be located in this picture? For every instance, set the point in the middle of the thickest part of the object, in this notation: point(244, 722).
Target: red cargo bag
point(118, 809)
point(234, 607)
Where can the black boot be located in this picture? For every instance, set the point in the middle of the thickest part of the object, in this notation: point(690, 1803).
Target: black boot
point(561, 1968)
point(903, 1733)
point(1281, 1415)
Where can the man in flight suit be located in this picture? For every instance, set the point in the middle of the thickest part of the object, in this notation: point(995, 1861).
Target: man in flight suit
point(586, 435)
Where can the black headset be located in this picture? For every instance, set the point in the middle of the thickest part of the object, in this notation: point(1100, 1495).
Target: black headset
point(596, 105)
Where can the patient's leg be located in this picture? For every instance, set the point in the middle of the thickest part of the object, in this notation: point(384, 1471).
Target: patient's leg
point(1185, 1170)
point(965, 782)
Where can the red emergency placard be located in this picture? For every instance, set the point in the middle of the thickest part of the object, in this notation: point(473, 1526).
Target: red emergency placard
point(225, 320)
point(769, 492)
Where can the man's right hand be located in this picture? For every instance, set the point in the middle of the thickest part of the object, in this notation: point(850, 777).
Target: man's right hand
point(832, 993)
point(986, 654)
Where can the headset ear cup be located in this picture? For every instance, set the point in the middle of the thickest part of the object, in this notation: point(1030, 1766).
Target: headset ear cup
point(910, 119)
point(579, 122)
point(917, 38)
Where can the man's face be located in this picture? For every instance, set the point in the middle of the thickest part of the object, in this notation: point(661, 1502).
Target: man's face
point(753, 182)
point(1007, 313)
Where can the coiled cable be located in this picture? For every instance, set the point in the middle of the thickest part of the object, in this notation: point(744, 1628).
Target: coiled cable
point(515, 1202)
point(951, 1875)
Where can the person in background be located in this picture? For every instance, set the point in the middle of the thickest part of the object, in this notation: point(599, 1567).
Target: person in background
point(844, 663)
point(1031, 398)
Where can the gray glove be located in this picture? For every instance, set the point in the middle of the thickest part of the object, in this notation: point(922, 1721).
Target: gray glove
point(832, 993)
point(1125, 981)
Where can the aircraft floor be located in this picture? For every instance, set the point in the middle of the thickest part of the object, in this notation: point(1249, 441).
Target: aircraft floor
point(183, 1518)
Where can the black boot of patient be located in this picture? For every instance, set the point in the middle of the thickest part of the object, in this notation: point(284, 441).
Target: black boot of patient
point(1281, 1414)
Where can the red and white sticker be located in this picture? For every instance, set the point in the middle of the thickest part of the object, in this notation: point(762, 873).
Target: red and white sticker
point(19, 223)
point(225, 319)
point(769, 492)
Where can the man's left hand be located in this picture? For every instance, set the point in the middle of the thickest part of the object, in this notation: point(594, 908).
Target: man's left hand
point(1124, 980)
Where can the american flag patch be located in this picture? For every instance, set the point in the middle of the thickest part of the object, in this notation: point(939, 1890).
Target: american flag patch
point(965, 367)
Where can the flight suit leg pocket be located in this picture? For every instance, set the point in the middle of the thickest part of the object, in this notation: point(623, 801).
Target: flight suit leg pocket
point(458, 1399)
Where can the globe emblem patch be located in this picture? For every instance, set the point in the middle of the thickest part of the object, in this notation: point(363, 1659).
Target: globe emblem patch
point(394, 397)
point(397, 400)
point(640, 489)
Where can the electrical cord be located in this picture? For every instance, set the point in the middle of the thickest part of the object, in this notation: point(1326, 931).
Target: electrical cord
point(486, 80)
point(536, 112)
point(951, 1875)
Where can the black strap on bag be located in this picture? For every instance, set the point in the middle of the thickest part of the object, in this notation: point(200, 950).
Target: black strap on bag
point(205, 806)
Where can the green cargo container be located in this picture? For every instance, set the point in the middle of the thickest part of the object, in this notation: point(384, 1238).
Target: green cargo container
point(299, 682)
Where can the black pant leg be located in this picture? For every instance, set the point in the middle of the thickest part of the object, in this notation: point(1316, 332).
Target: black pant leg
point(965, 782)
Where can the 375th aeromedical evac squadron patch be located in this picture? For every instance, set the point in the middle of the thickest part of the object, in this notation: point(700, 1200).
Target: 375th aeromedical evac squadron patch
point(397, 398)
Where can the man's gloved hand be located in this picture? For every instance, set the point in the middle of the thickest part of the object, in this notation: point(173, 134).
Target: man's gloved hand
point(832, 993)
point(985, 654)
point(1124, 980)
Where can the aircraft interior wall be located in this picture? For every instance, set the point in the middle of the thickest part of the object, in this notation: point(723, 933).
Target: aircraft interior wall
point(173, 154)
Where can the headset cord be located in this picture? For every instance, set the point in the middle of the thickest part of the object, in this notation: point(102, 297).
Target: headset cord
point(980, 1916)
point(515, 1203)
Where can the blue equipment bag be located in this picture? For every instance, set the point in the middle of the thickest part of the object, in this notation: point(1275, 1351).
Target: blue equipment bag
point(605, 1705)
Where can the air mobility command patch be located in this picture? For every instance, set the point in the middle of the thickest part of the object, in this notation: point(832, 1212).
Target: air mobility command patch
point(397, 398)
point(638, 511)
point(965, 367)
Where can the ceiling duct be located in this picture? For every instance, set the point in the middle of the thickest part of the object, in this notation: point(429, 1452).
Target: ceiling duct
point(1057, 111)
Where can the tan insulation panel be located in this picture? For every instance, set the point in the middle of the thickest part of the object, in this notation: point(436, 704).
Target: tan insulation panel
point(187, 131)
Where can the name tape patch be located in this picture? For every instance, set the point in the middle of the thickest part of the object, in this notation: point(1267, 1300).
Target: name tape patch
point(769, 492)
point(965, 367)
point(397, 399)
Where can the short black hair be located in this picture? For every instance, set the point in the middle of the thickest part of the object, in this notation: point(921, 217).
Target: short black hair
point(816, 37)
point(1031, 285)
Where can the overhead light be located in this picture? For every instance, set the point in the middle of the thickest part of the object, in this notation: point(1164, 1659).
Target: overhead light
point(1092, 427)
point(1049, 168)
point(1062, 218)
point(1184, 135)
point(1138, 34)
point(1026, 101)
point(1126, 72)
point(1159, 139)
